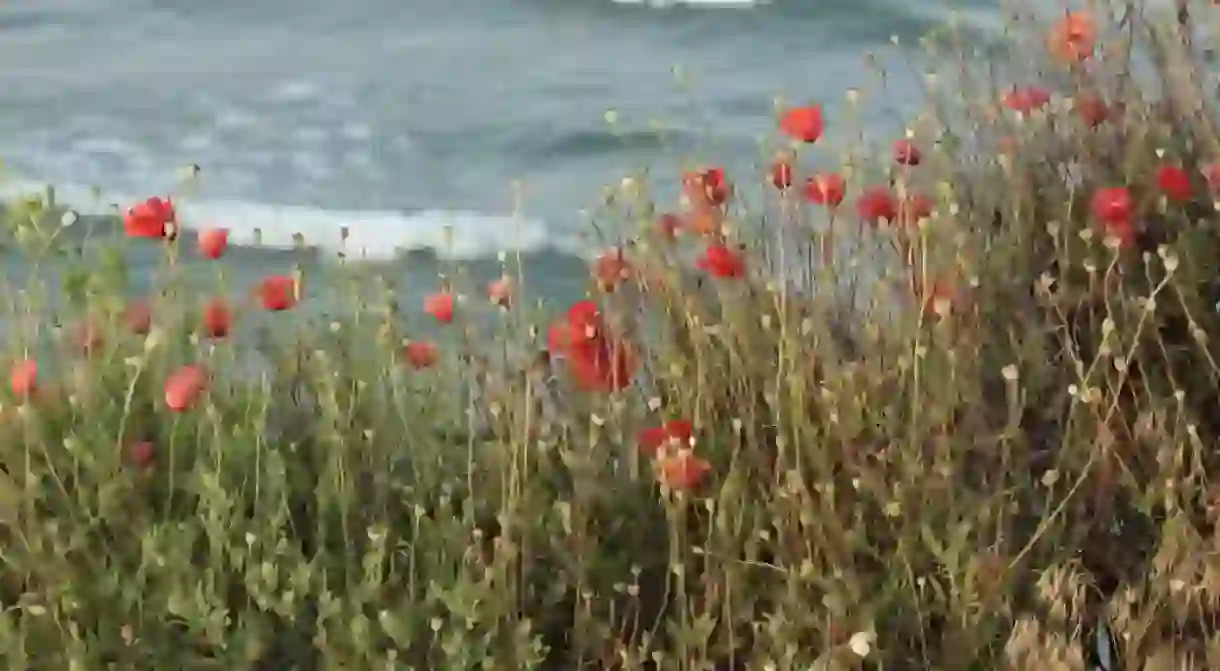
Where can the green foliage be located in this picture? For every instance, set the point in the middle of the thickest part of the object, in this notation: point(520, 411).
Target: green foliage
point(998, 435)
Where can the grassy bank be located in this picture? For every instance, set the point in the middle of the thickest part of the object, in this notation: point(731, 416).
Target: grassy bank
point(990, 445)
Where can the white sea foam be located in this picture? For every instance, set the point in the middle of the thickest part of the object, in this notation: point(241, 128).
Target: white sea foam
point(371, 235)
point(296, 91)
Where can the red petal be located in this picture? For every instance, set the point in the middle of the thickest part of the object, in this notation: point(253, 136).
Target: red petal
point(441, 306)
point(803, 123)
point(601, 366)
point(680, 430)
point(213, 241)
point(651, 439)
point(184, 387)
point(24, 377)
point(278, 292)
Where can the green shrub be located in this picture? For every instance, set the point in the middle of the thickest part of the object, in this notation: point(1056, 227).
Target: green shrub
point(961, 421)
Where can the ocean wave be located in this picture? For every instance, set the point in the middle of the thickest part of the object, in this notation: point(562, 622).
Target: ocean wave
point(597, 141)
point(372, 235)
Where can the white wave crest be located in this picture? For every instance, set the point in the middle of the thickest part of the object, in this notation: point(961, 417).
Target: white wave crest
point(370, 234)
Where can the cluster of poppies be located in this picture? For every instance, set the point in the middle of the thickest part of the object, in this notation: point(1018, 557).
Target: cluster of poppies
point(156, 218)
point(442, 306)
point(1072, 41)
point(707, 194)
point(876, 204)
point(708, 191)
point(1114, 207)
point(597, 358)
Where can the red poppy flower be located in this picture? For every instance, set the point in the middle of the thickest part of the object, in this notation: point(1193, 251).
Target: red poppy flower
point(602, 365)
point(139, 317)
point(803, 123)
point(183, 388)
point(1093, 110)
point(142, 454)
point(907, 153)
point(707, 188)
point(668, 225)
point(1073, 38)
point(876, 204)
point(914, 208)
point(153, 218)
point(652, 438)
point(781, 174)
point(677, 431)
point(278, 292)
point(1113, 204)
point(596, 359)
point(24, 377)
point(681, 470)
point(213, 241)
point(585, 318)
point(611, 269)
point(581, 325)
point(441, 306)
point(826, 189)
point(716, 182)
point(719, 260)
point(1026, 100)
point(1121, 230)
point(500, 291)
point(422, 354)
point(217, 318)
point(1174, 182)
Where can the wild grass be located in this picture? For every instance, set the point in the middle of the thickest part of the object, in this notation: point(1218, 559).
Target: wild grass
point(993, 438)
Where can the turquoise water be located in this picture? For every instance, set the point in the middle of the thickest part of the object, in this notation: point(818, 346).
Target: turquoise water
point(400, 118)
